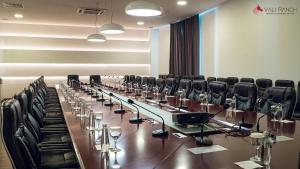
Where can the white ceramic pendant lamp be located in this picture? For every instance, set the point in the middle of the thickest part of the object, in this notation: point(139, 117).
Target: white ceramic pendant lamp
point(143, 8)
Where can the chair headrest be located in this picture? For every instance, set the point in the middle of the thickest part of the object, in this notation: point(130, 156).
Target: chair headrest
point(217, 87)
point(284, 83)
point(264, 83)
point(245, 89)
point(232, 80)
point(280, 94)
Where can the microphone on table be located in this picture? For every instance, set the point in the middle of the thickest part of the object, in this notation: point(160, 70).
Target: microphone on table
point(135, 120)
point(121, 110)
point(101, 99)
point(156, 133)
point(257, 125)
point(204, 142)
point(110, 103)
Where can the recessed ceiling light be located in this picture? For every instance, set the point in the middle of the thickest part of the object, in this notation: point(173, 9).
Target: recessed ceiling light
point(140, 23)
point(181, 3)
point(18, 15)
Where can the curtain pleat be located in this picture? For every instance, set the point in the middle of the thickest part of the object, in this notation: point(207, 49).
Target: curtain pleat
point(184, 47)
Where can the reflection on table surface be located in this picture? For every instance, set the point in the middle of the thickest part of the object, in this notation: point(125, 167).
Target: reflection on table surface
point(140, 150)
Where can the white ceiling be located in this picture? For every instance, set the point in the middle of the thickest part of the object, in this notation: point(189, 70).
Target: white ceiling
point(63, 12)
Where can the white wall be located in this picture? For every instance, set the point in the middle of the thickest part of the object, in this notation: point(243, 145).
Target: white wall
point(238, 42)
point(28, 51)
point(160, 50)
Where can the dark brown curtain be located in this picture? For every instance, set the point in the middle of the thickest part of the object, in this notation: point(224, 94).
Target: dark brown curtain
point(184, 47)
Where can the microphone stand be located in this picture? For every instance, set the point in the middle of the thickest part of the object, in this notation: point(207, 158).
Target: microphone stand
point(156, 133)
point(110, 104)
point(135, 120)
point(121, 110)
point(257, 125)
point(204, 142)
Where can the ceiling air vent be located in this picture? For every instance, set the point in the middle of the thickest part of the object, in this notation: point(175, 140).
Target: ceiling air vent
point(12, 5)
point(90, 11)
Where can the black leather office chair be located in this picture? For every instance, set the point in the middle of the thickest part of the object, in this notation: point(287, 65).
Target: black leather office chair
point(72, 77)
point(151, 82)
point(262, 85)
point(170, 86)
point(138, 81)
point(170, 76)
point(198, 87)
point(286, 96)
point(217, 92)
point(231, 81)
point(95, 79)
point(162, 76)
point(132, 79)
point(8, 128)
point(199, 77)
point(144, 80)
point(221, 79)
point(246, 95)
point(184, 88)
point(126, 79)
point(284, 83)
point(22, 147)
point(247, 80)
point(160, 84)
point(296, 113)
point(211, 79)
point(186, 77)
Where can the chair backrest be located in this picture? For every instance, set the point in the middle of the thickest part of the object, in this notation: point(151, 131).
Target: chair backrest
point(162, 76)
point(297, 107)
point(28, 147)
point(185, 77)
point(199, 77)
point(144, 80)
point(217, 92)
point(151, 82)
point(126, 79)
point(284, 83)
point(221, 79)
point(138, 80)
point(262, 85)
point(197, 87)
point(131, 78)
point(170, 86)
point(184, 87)
point(286, 96)
point(170, 76)
point(247, 80)
point(246, 95)
point(211, 79)
point(72, 77)
point(160, 83)
point(9, 120)
point(230, 82)
point(95, 79)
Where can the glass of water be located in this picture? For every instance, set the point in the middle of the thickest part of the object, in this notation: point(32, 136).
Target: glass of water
point(115, 133)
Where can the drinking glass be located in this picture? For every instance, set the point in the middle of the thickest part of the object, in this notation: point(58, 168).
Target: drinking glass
point(115, 133)
point(98, 119)
point(116, 164)
point(274, 112)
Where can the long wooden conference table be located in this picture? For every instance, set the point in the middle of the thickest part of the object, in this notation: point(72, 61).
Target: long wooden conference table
point(142, 151)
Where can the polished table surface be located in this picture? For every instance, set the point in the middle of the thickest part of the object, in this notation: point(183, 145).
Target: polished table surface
point(142, 151)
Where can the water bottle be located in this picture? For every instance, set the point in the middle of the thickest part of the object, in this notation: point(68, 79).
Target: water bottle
point(105, 139)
